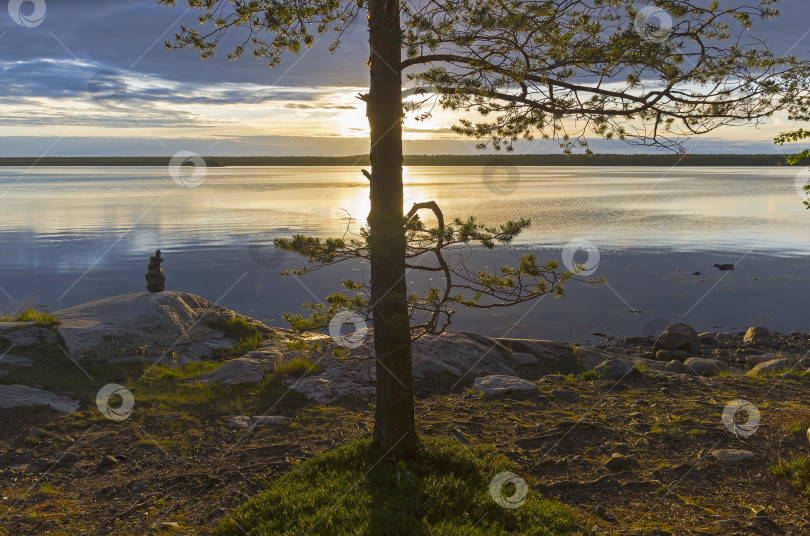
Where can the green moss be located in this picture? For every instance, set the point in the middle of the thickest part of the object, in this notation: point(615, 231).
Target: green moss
point(351, 490)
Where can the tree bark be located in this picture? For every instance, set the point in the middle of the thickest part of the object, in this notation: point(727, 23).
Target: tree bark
point(394, 430)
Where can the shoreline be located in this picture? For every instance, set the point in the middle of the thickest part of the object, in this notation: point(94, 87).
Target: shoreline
point(643, 289)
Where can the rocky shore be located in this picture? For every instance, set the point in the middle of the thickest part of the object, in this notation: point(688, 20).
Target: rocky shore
point(632, 431)
point(176, 328)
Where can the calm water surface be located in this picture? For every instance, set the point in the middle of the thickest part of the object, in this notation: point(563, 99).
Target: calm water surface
point(74, 234)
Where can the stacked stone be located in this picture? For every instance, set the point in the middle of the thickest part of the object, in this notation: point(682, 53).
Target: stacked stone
point(155, 280)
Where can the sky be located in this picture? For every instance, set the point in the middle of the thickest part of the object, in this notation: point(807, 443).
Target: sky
point(92, 77)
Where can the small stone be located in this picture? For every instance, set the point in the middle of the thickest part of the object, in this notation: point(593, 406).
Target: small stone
point(67, 457)
point(107, 461)
point(564, 394)
point(245, 421)
point(22, 458)
point(724, 267)
point(498, 384)
point(618, 463)
point(708, 338)
point(668, 355)
point(732, 455)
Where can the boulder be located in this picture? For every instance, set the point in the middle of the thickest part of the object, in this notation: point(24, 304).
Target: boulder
point(758, 336)
point(679, 367)
point(500, 385)
point(21, 395)
point(155, 322)
point(240, 370)
point(678, 336)
point(616, 369)
point(669, 355)
point(754, 360)
point(618, 463)
point(778, 366)
point(706, 367)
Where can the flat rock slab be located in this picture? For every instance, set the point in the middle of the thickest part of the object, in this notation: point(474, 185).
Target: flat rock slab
point(16, 360)
point(499, 385)
point(240, 370)
point(246, 421)
point(29, 335)
point(158, 322)
point(21, 395)
point(732, 455)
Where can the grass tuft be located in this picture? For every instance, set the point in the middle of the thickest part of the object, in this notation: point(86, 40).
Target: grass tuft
point(298, 367)
point(444, 491)
point(30, 314)
point(243, 331)
point(796, 472)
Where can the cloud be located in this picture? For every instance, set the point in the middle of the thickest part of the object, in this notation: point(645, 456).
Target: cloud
point(170, 96)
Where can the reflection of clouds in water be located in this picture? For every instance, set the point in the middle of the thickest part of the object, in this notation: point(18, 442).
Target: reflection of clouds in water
point(618, 207)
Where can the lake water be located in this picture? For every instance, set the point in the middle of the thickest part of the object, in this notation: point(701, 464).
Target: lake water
point(70, 235)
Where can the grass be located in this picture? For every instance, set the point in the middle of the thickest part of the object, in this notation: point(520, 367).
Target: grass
point(443, 491)
point(29, 314)
point(796, 472)
point(244, 332)
point(298, 367)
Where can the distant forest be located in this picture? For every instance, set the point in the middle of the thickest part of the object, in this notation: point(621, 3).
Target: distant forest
point(425, 160)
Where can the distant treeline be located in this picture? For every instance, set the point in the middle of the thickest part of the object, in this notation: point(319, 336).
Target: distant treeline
point(425, 160)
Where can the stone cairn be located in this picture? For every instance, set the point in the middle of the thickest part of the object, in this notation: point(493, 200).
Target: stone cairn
point(155, 280)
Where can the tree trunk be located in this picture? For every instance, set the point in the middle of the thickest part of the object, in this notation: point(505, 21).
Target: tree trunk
point(393, 425)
